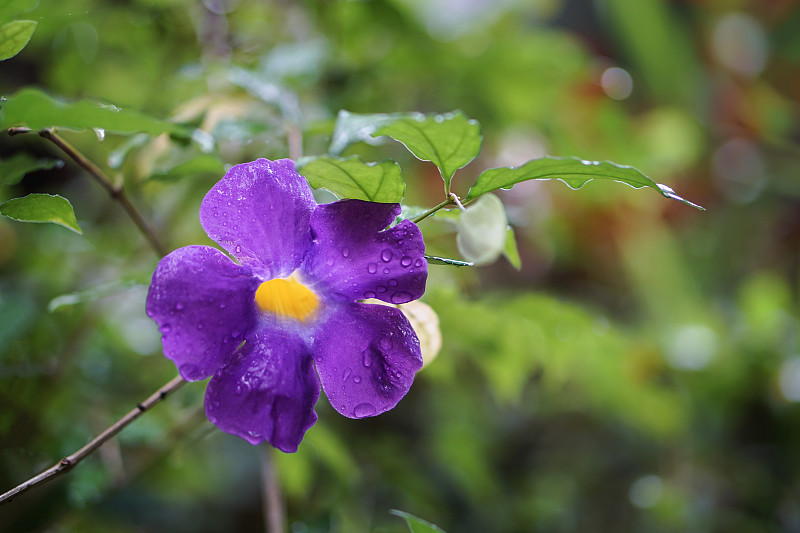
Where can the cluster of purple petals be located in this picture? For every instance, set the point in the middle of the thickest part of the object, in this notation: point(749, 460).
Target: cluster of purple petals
point(266, 370)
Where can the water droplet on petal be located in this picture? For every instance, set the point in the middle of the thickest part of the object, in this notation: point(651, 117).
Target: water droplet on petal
point(372, 268)
point(179, 306)
point(345, 252)
point(238, 249)
point(222, 306)
point(329, 262)
point(386, 255)
point(406, 261)
point(385, 270)
point(346, 374)
point(418, 263)
point(369, 294)
point(393, 283)
point(357, 379)
point(398, 374)
point(367, 358)
point(238, 388)
point(381, 288)
point(401, 298)
point(385, 342)
point(364, 409)
point(166, 328)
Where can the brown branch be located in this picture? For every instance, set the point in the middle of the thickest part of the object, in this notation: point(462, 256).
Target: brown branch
point(67, 463)
point(115, 191)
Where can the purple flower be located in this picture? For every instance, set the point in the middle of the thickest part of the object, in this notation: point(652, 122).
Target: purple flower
point(288, 316)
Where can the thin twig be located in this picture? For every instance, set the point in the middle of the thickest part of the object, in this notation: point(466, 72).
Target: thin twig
point(67, 463)
point(115, 191)
point(271, 492)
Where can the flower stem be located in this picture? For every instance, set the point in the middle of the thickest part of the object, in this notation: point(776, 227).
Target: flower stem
point(271, 492)
point(115, 191)
point(67, 463)
point(432, 210)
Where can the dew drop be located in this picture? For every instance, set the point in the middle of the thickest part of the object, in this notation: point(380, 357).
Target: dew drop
point(329, 262)
point(386, 255)
point(385, 270)
point(401, 297)
point(345, 252)
point(179, 306)
point(235, 333)
point(357, 379)
point(239, 388)
point(238, 249)
point(372, 268)
point(385, 342)
point(367, 358)
point(406, 261)
point(222, 306)
point(418, 263)
point(364, 409)
point(166, 328)
point(398, 374)
point(100, 133)
point(381, 288)
point(393, 283)
point(369, 294)
point(346, 374)
point(189, 371)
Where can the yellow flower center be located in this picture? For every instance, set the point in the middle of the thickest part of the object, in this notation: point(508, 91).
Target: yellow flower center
point(287, 297)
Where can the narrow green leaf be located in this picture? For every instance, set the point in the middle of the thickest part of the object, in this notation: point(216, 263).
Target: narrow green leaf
point(14, 36)
point(353, 178)
point(36, 110)
point(433, 260)
point(91, 294)
point(41, 208)
point(417, 525)
point(201, 164)
point(510, 250)
point(481, 227)
point(351, 128)
point(14, 168)
point(449, 141)
point(573, 171)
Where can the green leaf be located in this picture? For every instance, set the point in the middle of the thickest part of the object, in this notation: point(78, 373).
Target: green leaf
point(36, 110)
point(13, 169)
point(201, 164)
point(510, 250)
point(449, 141)
point(9, 9)
point(573, 171)
point(41, 208)
point(14, 36)
point(353, 178)
point(351, 128)
point(482, 231)
point(433, 260)
point(91, 294)
point(417, 525)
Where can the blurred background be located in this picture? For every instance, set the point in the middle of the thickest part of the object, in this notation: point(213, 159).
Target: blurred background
point(640, 372)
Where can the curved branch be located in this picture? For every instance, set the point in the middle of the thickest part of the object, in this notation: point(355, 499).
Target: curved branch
point(68, 463)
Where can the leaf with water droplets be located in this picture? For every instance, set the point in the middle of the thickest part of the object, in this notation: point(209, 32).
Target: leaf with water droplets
point(573, 171)
point(449, 141)
point(42, 208)
point(353, 178)
point(355, 127)
point(36, 110)
point(417, 525)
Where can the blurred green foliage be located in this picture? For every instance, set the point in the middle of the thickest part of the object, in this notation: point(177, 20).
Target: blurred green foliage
point(640, 372)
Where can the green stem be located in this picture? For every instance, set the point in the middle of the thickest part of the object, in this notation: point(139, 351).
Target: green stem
point(432, 210)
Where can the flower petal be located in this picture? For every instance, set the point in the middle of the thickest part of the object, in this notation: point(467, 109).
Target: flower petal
point(259, 212)
point(267, 392)
point(352, 258)
point(366, 356)
point(203, 305)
